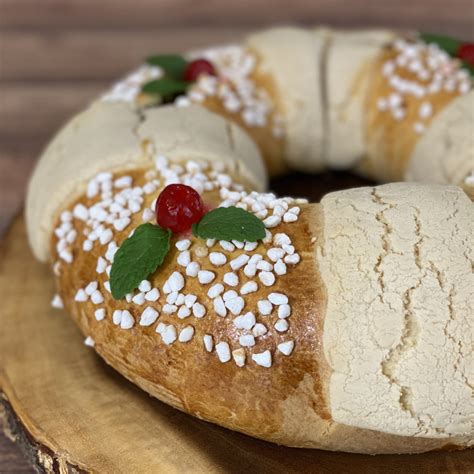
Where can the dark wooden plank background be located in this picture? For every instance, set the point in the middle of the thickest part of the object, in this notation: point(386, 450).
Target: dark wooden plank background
point(55, 55)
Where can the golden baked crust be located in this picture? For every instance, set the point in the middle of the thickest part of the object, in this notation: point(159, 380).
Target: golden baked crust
point(249, 399)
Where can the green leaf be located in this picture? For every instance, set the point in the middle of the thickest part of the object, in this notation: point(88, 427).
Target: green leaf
point(172, 64)
point(138, 257)
point(450, 45)
point(165, 87)
point(230, 223)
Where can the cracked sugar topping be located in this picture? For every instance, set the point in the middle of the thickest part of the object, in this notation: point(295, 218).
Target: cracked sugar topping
point(209, 278)
point(400, 327)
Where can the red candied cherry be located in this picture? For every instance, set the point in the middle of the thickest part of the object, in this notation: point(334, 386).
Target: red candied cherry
point(178, 207)
point(197, 67)
point(466, 52)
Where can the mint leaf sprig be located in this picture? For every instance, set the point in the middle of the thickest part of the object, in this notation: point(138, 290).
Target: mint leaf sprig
point(145, 250)
point(173, 65)
point(165, 87)
point(230, 223)
point(138, 256)
point(179, 74)
point(171, 85)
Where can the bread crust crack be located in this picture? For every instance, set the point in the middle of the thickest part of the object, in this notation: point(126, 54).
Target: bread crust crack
point(399, 298)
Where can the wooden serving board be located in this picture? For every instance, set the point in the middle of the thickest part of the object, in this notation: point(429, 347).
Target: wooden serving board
point(71, 412)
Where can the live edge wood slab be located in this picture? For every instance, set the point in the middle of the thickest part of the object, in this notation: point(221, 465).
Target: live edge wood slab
point(70, 412)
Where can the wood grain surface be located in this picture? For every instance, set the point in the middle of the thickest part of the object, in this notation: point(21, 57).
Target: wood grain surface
point(55, 55)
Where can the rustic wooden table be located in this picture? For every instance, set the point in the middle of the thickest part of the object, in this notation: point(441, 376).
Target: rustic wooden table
point(55, 55)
